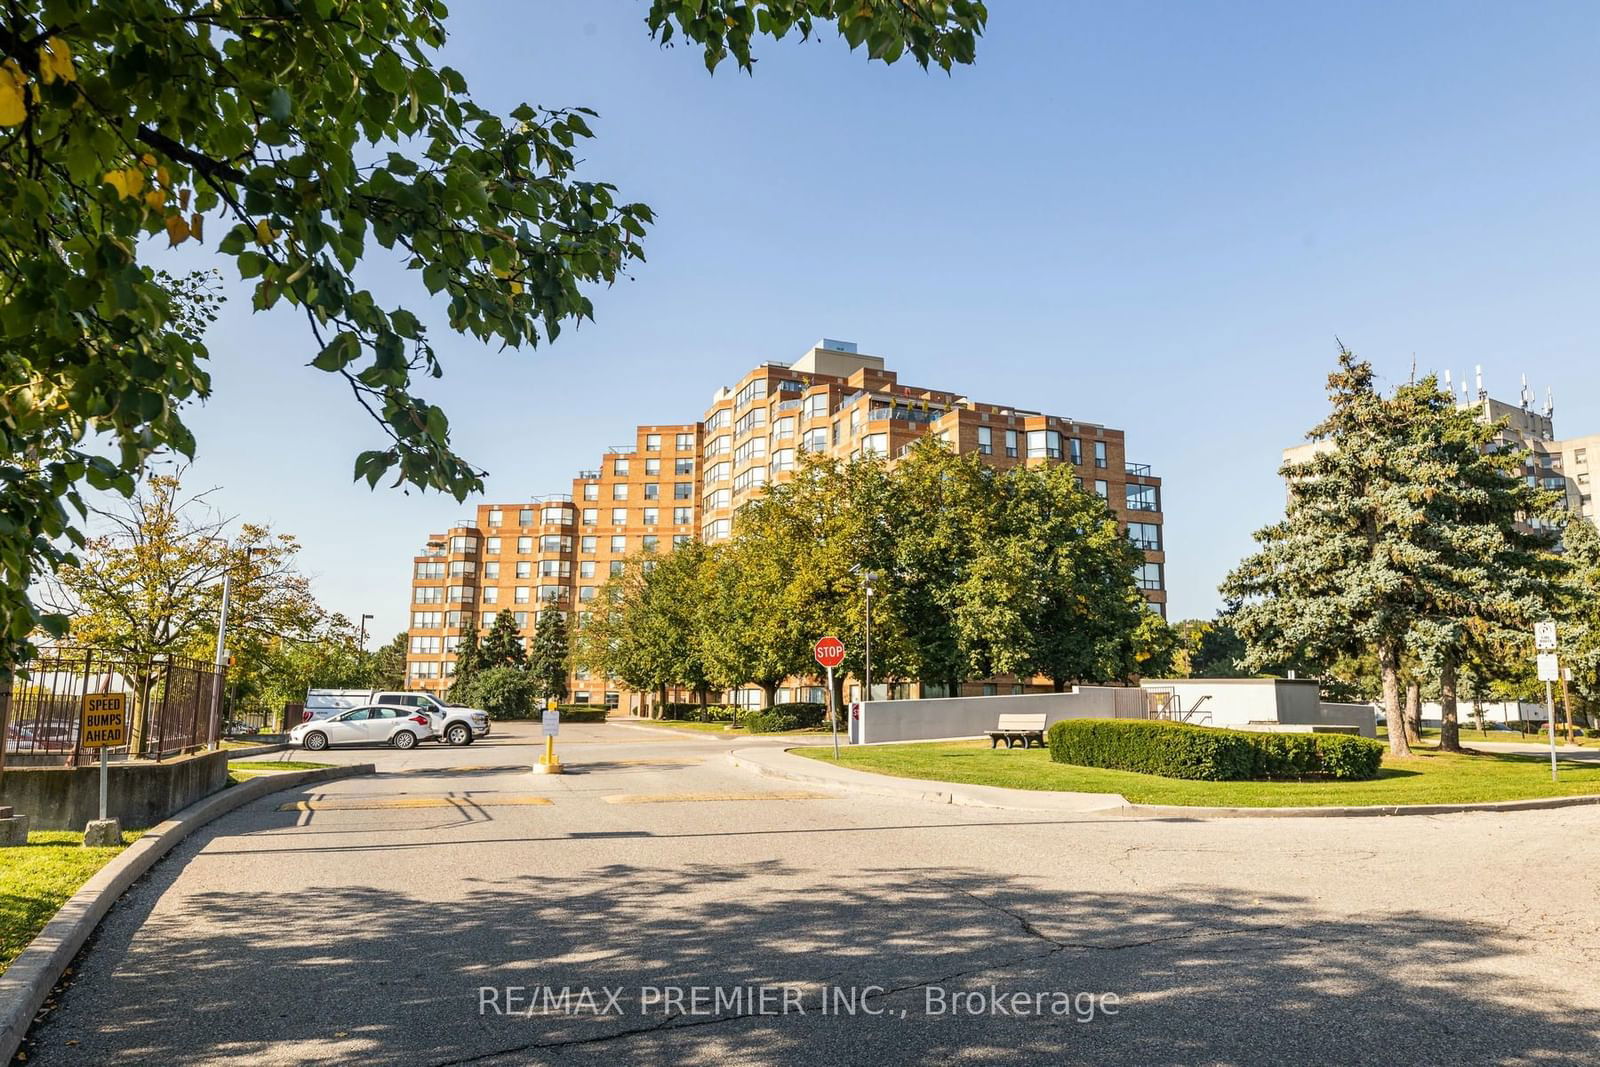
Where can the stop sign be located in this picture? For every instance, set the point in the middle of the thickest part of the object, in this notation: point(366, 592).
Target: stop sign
point(829, 652)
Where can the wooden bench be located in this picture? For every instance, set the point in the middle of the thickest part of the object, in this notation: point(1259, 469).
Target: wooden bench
point(1014, 728)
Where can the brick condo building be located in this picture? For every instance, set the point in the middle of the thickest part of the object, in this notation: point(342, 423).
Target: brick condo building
point(677, 481)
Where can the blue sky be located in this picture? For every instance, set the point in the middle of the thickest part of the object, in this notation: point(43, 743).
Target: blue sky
point(1155, 216)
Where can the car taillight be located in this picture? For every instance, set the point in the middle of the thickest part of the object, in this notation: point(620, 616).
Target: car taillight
point(305, 716)
point(420, 720)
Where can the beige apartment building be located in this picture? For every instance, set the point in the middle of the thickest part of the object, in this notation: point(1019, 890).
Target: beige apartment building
point(679, 481)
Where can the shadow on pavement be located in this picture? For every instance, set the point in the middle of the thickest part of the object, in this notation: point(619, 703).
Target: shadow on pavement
point(352, 974)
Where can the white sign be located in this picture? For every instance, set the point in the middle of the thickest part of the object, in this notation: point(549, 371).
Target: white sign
point(1544, 635)
point(552, 723)
point(1549, 668)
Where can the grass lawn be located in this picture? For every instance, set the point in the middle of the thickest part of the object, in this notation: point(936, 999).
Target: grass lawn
point(242, 770)
point(1426, 778)
point(39, 877)
point(1507, 736)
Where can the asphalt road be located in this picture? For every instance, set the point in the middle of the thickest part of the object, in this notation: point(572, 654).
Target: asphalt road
point(397, 918)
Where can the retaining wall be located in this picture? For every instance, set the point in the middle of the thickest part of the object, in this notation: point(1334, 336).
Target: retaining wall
point(141, 793)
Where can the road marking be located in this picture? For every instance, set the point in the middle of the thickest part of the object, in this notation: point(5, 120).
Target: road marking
point(477, 800)
point(696, 798)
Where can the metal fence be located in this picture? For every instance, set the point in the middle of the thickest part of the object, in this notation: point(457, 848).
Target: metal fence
point(171, 702)
point(238, 722)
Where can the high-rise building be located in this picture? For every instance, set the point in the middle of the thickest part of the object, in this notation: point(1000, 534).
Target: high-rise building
point(675, 482)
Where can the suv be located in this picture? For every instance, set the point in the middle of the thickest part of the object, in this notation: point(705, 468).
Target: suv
point(452, 725)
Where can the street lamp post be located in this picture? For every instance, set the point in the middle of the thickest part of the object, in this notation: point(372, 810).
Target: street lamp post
point(221, 661)
point(362, 641)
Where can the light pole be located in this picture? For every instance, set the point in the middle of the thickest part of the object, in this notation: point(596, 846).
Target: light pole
point(362, 641)
point(221, 661)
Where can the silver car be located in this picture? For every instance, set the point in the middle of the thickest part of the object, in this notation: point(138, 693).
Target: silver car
point(376, 724)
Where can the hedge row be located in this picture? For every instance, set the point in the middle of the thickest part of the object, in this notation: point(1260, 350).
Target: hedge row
point(696, 713)
point(582, 712)
point(781, 717)
point(1179, 750)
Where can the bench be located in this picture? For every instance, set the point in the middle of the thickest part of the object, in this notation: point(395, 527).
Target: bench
point(1014, 728)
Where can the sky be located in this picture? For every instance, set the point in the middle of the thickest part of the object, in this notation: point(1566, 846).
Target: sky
point(1154, 216)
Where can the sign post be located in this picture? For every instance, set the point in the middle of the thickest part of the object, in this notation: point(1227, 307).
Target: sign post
point(548, 764)
point(1544, 640)
point(103, 725)
point(829, 653)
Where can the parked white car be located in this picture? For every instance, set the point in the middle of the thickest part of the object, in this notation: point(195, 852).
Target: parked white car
point(378, 724)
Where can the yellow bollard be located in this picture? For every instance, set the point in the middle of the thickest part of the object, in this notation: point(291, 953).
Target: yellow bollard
point(548, 764)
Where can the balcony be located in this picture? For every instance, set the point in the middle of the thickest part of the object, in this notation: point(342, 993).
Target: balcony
point(1138, 470)
point(587, 476)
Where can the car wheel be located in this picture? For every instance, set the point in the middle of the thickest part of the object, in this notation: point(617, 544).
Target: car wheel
point(458, 734)
point(315, 741)
point(404, 739)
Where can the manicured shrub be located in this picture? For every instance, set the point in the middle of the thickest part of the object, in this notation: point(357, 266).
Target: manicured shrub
point(806, 713)
point(1594, 731)
point(1180, 750)
point(582, 712)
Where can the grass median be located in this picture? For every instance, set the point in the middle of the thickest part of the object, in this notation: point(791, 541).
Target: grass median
point(39, 877)
point(1425, 778)
point(243, 770)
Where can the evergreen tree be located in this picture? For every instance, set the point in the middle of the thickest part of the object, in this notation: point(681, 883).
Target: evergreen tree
point(547, 661)
point(468, 658)
point(502, 645)
point(1578, 616)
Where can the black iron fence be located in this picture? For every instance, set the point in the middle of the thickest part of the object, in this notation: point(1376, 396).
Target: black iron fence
point(171, 704)
point(238, 722)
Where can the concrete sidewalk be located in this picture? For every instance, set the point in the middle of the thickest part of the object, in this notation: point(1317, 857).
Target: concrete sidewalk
point(776, 763)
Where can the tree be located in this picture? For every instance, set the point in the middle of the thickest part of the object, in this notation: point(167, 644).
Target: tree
point(1155, 647)
point(468, 656)
point(387, 665)
point(129, 122)
point(1217, 650)
point(1578, 613)
point(645, 624)
point(1334, 576)
point(502, 646)
point(547, 661)
point(506, 692)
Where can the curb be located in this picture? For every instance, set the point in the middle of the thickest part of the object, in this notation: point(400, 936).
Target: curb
point(28, 981)
point(870, 783)
point(255, 750)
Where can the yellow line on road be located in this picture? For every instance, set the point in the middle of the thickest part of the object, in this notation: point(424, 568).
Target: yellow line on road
point(696, 798)
point(477, 800)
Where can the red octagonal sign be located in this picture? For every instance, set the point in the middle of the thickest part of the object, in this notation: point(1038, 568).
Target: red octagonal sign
point(829, 652)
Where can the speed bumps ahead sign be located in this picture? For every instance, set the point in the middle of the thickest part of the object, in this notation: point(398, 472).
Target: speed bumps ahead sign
point(105, 720)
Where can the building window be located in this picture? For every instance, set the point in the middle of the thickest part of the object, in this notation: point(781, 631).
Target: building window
point(1044, 444)
point(683, 490)
point(782, 460)
point(591, 490)
point(750, 420)
point(749, 479)
point(717, 529)
point(719, 498)
point(586, 568)
point(558, 514)
point(524, 569)
point(1143, 498)
point(521, 618)
point(985, 441)
point(685, 442)
point(649, 542)
point(1145, 535)
point(619, 467)
point(1147, 576)
point(1100, 454)
point(754, 390)
point(817, 406)
point(460, 568)
point(613, 700)
point(1102, 490)
point(652, 491)
point(679, 540)
point(491, 570)
point(585, 593)
point(717, 472)
point(815, 440)
point(1011, 443)
point(491, 594)
point(525, 517)
point(459, 594)
point(652, 442)
point(754, 448)
point(652, 467)
point(783, 427)
point(524, 545)
point(591, 516)
point(619, 544)
point(492, 546)
point(1076, 450)
point(652, 516)
point(717, 446)
point(619, 491)
point(550, 593)
point(586, 544)
point(522, 595)
point(619, 516)
point(430, 570)
point(555, 568)
point(875, 444)
point(617, 567)
point(683, 466)
point(495, 517)
point(555, 543)
point(425, 620)
point(429, 594)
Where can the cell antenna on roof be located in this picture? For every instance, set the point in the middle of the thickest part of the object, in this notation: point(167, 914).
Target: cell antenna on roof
point(1527, 394)
point(1448, 386)
point(1478, 371)
point(1549, 403)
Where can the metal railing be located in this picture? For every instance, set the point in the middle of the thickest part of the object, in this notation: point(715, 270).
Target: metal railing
point(240, 722)
point(171, 705)
point(1138, 470)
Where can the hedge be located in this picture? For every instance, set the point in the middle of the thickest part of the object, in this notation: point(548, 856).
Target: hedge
point(781, 717)
point(582, 712)
point(1179, 750)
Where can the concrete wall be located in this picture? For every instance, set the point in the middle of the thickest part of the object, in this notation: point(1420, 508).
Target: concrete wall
point(1239, 702)
point(140, 793)
point(1507, 711)
point(885, 721)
